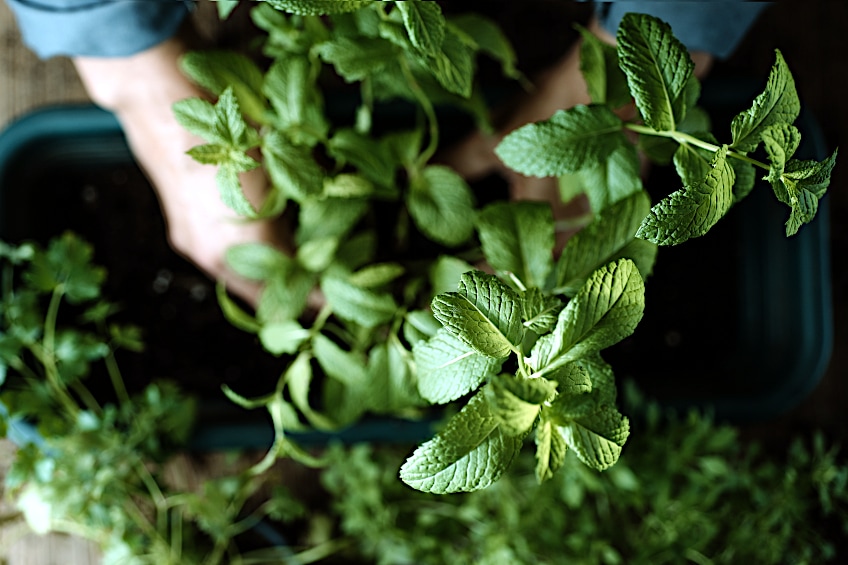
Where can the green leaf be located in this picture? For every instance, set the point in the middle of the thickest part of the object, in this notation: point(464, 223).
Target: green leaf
point(441, 205)
point(356, 304)
point(292, 168)
point(518, 238)
point(606, 310)
point(692, 163)
point(377, 275)
point(330, 217)
point(550, 450)
point(226, 7)
point(453, 66)
point(210, 154)
point(198, 116)
point(218, 71)
point(811, 175)
point(485, 314)
point(359, 59)
point(804, 204)
point(392, 387)
point(424, 24)
point(572, 380)
point(420, 325)
point(446, 272)
point(568, 142)
point(470, 454)
point(298, 378)
point(373, 159)
point(605, 239)
point(348, 186)
point(347, 367)
point(615, 179)
point(746, 178)
point(289, 87)
point(597, 439)
point(235, 315)
point(490, 40)
point(448, 368)
point(67, 263)
point(693, 210)
point(657, 66)
point(516, 401)
point(604, 78)
point(780, 142)
point(319, 7)
point(283, 337)
point(232, 195)
point(316, 255)
point(539, 310)
point(256, 261)
point(777, 104)
point(285, 293)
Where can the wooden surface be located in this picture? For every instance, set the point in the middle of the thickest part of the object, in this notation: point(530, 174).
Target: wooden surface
point(812, 38)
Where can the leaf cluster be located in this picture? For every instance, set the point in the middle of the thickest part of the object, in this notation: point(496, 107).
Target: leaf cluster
point(653, 69)
point(93, 461)
point(685, 490)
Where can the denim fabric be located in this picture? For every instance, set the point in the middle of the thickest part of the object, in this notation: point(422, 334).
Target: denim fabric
point(716, 27)
point(97, 28)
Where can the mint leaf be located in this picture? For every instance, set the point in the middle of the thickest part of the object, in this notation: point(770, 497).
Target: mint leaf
point(657, 66)
point(604, 78)
point(298, 379)
point(225, 8)
point(811, 175)
point(373, 159)
point(490, 40)
point(470, 454)
point(567, 142)
point(517, 238)
point(777, 104)
point(780, 142)
point(332, 217)
point(551, 449)
point(516, 401)
point(283, 337)
point(484, 313)
point(319, 7)
point(693, 210)
point(377, 275)
point(448, 368)
point(234, 314)
point(392, 386)
point(217, 71)
point(348, 186)
point(198, 116)
point(693, 163)
point(572, 380)
point(356, 304)
point(613, 180)
point(446, 273)
point(419, 326)
point(256, 261)
point(605, 311)
point(597, 439)
point(316, 254)
point(442, 206)
point(284, 294)
point(453, 66)
point(424, 24)
point(358, 59)
point(804, 204)
point(292, 168)
point(539, 310)
point(746, 177)
point(229, 187)
point(291, 90)
point(605, 239)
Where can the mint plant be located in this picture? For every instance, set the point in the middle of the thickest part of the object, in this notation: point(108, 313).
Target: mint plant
point(653, 67)
point(520, 348)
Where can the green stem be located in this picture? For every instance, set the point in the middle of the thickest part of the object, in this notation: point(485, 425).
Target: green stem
point(686, 139)
point(87, 398)
point(429, 111)
point(116, 378)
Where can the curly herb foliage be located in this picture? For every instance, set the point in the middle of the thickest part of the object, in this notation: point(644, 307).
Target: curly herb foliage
point(653, 67)
point(686, 490)
point(520, 348)
point(90, 467)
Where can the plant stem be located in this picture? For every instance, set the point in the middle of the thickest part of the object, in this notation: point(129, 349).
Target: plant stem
point(685, 138)
point(429, 111)
point(116, 378)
